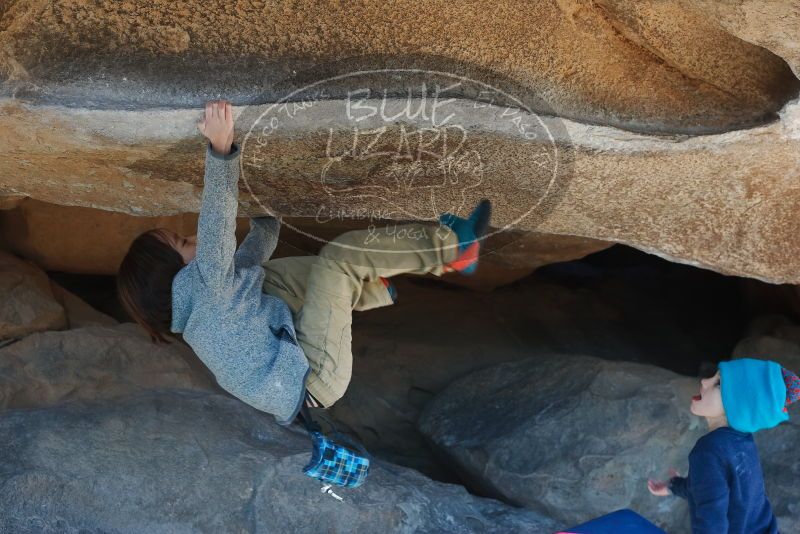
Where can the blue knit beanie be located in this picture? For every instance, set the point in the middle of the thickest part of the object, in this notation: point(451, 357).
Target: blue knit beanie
point(753, 394)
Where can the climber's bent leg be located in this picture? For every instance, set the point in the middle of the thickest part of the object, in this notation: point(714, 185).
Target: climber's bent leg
point(286, 279)
point(335, 286)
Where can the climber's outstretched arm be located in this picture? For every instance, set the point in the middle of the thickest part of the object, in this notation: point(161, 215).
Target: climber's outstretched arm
point(216, 226)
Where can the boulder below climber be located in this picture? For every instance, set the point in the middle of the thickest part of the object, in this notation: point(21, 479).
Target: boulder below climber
point(180, 461)
point(96, 362)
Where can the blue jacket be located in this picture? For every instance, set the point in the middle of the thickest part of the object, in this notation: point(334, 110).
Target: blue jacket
point(243, 335)
point(725, 486)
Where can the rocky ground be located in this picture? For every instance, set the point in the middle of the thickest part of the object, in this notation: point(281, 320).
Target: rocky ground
point(551, 400)
point(181, 461)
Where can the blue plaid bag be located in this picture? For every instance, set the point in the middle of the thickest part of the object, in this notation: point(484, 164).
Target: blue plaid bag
point(332, 462)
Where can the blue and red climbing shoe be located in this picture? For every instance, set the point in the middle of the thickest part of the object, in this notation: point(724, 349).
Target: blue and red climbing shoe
point(390, 288)
point(469, 232)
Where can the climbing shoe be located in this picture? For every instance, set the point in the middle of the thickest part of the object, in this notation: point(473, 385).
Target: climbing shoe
point(469, 232)
point(390, 288)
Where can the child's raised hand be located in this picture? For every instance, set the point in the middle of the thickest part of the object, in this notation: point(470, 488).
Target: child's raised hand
point(217, 125)
point(660, 488)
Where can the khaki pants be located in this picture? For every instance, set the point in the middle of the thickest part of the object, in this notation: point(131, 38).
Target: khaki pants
point(322, 291)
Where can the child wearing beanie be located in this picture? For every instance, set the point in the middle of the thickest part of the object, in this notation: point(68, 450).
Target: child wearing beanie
point(725, 484)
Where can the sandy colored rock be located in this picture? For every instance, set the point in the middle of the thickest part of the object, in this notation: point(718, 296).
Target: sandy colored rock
point(33, 303)
point(676, 129)
point(769, 23)
point(79, 239)
point(639, 65)
point(724, 202)
point(11, 201)
point(84, 240)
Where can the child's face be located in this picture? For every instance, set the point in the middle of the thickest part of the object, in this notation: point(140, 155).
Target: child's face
point(709, 402)
point(185, 245)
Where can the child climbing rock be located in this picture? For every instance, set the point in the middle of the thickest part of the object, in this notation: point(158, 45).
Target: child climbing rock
point(725, 485)
point(276, 332)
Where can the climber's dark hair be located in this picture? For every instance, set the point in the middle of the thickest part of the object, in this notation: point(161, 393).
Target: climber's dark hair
point(144, 283)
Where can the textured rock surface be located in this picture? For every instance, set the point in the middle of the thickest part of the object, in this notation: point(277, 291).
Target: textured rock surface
point(34, 303)
point(777, 448)
point(79, 239)
point(79, 313)
point(28, 304)
point(724, 202)
point(768, 23)
point(650, 65)
point(95, 362)
point(196, 462)
point(572, 437)
point(134, 76)
point(11, 201)
point(778, 347)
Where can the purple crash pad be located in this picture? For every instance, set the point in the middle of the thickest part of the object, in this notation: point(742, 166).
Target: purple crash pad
point(619, 522)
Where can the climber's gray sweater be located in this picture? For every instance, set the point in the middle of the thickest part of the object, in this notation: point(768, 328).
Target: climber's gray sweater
point(245, 336)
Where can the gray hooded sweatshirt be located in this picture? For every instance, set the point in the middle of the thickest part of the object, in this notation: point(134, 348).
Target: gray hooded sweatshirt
point(243, 335)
